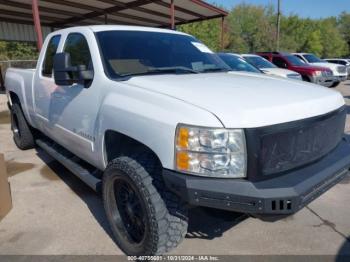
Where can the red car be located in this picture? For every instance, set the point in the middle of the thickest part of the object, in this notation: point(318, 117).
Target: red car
point(315, 74)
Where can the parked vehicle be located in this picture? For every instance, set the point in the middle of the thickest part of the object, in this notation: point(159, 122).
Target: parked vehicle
point(340, 61)
point(339, 71)
point(314, 74)
point(268, 68)
point(153, 119)
point(237, 63)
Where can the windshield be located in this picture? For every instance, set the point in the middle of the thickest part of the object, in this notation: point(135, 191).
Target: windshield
point(130, 53)
point(313, 59)
point(237, 63)
point(295, 61)
point(259, 62)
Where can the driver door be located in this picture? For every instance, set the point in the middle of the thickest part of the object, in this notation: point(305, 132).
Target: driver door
point(73, 109)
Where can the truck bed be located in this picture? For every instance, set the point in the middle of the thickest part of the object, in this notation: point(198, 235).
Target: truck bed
point(20, 81)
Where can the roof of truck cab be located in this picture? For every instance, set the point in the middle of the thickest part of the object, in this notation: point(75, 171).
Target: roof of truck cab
point(100, 28)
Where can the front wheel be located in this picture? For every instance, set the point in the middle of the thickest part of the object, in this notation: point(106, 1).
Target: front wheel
point(145, 219)
point(335, 84)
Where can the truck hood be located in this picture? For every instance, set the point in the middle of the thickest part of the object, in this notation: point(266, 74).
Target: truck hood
point(245, 100)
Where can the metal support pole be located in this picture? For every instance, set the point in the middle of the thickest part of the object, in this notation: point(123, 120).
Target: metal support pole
point(278, 25)
point(106, 18)
point(172, 14)
point(37, 24)
point(222, 33)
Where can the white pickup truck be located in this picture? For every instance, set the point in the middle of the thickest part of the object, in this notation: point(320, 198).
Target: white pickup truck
point(152, 118)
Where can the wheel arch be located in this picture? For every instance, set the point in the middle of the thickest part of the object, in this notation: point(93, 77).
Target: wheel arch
point(117, 144)
point(306, 78)
point(14, 97)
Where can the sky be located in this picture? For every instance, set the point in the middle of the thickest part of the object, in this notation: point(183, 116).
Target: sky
point(303, 8)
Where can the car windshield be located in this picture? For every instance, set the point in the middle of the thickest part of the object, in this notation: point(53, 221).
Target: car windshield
point(259, 62)
point(238, 64)
point(131, 53)
point(312, 58)
point(295, 61)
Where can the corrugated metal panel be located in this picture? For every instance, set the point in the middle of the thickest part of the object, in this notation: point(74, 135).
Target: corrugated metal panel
point(20, 32)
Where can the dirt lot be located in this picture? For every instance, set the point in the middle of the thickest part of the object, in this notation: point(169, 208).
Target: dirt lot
point(55, 213)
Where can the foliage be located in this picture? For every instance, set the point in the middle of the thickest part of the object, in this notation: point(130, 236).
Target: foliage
point(17, 51)
point(344, 28)
point(251, 28)
point(208, 32)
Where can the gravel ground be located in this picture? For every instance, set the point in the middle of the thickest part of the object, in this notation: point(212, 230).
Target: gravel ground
point(56, 214)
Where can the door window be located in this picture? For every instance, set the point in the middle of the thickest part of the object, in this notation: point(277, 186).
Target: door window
point(50, 53)
point(77, 46)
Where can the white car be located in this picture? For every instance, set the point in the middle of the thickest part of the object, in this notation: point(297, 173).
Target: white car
point(339, 71)
point(270, 69)
point(237, 63)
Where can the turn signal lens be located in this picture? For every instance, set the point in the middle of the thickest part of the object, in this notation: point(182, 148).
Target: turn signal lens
point(182, 161)
point(182, 137)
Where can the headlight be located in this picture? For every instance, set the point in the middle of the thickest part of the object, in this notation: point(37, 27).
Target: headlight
point(210, 152)
point(317, 73)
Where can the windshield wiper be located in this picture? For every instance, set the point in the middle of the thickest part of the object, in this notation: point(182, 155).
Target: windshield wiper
point(163, 70)
point(173, 69)
point(216, 69)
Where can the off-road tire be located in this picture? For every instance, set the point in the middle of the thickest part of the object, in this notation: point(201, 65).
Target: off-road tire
point(166, 215)
point(335, 84)
point(22, 133)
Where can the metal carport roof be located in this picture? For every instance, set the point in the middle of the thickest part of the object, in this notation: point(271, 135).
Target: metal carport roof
point(55, 14)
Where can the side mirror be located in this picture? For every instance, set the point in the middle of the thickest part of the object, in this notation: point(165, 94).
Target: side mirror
point(66, 74)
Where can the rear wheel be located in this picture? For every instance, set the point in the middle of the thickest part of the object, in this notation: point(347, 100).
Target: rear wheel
point(146, 218)
point(22, 133)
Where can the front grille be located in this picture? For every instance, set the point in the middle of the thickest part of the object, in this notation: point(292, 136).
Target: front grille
point(327, 73)
point(341, 69)
point(283, 147)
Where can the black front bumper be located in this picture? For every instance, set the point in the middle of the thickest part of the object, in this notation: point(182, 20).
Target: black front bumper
point(282, 195)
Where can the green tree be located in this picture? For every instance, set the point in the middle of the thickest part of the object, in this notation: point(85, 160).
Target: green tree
point(334, 45)
point(17, 50)
point(344, 28)
point(251, 28)
point(313, 44)
point(209, 32)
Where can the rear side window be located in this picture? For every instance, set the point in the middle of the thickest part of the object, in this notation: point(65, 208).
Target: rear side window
point(266, 57)
point(50, 52)
point(278, 61)
point(77, 46)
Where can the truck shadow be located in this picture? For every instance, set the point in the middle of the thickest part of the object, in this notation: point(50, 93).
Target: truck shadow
point(204, 223)
point(344, 251)
point(207, 223)
point(92, 199)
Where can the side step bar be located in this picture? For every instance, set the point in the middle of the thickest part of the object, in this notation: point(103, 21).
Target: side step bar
point(69, 161)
